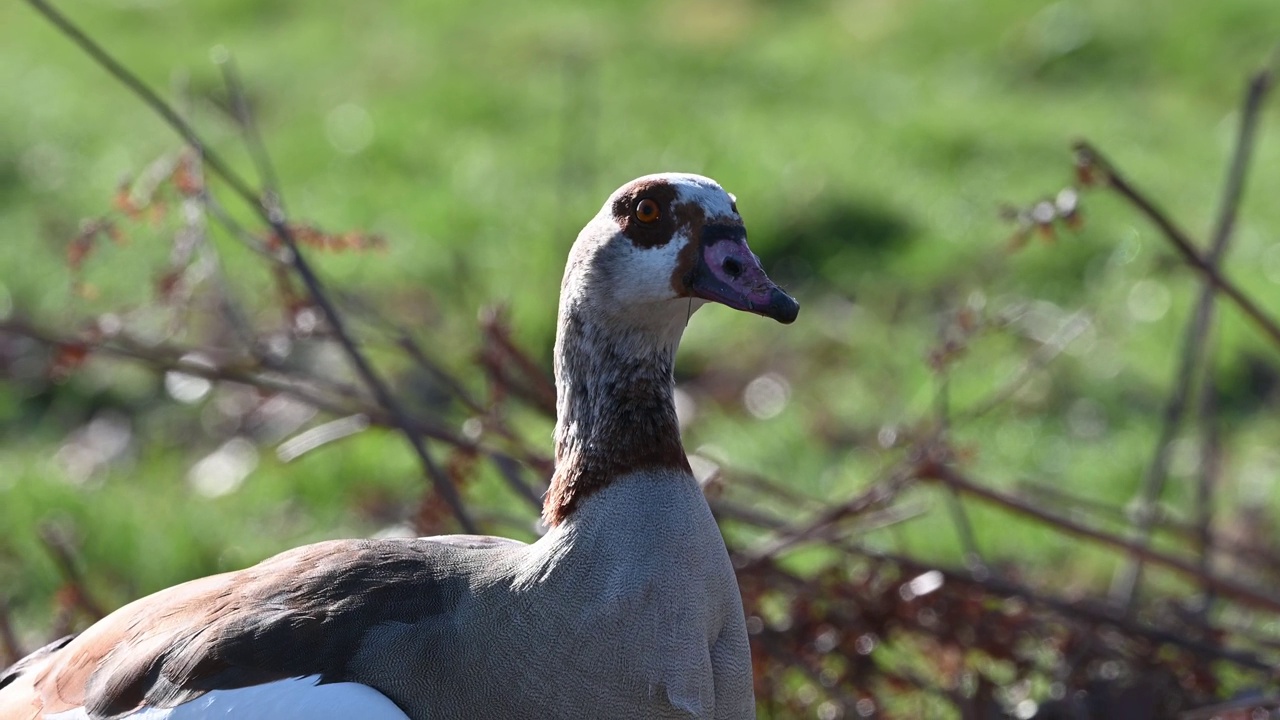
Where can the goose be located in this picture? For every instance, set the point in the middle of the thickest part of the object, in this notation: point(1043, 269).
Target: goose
point(627, 607)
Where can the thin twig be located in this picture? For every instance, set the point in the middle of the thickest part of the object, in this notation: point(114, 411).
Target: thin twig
point(10, 649)
point(1180, 241)
point(1043, 355)
point(319, 436)
point(1244, 594)
point(829, 534)
point(955, 507)
point(65, 558)
point(275, 219)
point(1233, 708)
point(1210, 468)
point(234, 315)
point(402, 338)
point(346, 404)
point(1093, 509)
point(1191, 533)
point(536, 387)
point(332, 398)
point(239, 100)
point(775, 491)
point(1082, 610)
point(411, 348)
point(1194, 345)
point(778, 648)
point(510, 470)
point(879, 494)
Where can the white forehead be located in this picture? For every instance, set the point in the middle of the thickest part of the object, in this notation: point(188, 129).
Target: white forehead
point(692, 188)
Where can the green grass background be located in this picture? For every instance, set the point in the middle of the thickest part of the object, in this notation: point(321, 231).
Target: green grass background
point(870, 144)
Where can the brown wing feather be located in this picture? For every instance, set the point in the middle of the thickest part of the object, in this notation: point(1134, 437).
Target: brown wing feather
point(303, 612)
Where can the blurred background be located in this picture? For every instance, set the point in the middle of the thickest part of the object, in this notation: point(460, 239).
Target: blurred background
point(450, 151)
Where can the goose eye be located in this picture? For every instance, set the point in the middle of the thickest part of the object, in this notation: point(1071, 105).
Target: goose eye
point(647, 210)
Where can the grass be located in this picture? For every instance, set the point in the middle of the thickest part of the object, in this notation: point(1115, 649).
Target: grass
point(870, 145)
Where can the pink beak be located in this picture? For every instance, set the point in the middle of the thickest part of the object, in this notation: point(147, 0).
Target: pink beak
point(730, 274)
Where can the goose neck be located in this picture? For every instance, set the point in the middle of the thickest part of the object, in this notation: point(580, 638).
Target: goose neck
point(615, 408)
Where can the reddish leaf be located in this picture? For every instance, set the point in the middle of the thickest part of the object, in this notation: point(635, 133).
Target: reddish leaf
point(123, 201)
point(186, 178)
point(67, 358)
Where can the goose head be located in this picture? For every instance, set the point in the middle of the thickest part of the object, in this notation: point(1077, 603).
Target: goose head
point(660, 247)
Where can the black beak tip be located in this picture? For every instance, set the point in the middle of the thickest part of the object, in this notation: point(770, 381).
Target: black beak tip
point(783, 307)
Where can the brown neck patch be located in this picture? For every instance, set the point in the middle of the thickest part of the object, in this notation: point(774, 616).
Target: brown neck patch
point(616, 416)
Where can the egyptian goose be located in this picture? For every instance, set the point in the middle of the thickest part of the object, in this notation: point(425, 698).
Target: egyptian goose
point(626, 608)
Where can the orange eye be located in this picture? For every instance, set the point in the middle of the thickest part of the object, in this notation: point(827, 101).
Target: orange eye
point(647, 210)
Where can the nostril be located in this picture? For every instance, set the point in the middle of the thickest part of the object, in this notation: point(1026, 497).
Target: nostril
point(732, 267)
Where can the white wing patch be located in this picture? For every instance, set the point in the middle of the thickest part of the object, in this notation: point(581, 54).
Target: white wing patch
point(293, 699)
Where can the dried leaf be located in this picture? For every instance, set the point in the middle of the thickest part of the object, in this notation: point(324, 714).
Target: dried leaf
point(186, 177)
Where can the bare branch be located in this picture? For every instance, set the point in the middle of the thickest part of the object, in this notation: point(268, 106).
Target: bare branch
point(10, 650)
point(878, 495)
point(239, 100)
point(1039, 359)
point(1244, 594)
point(65, 557)
point(1179, 239)
point(1194, 345)
point(275, 219)
point(1084, 610)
